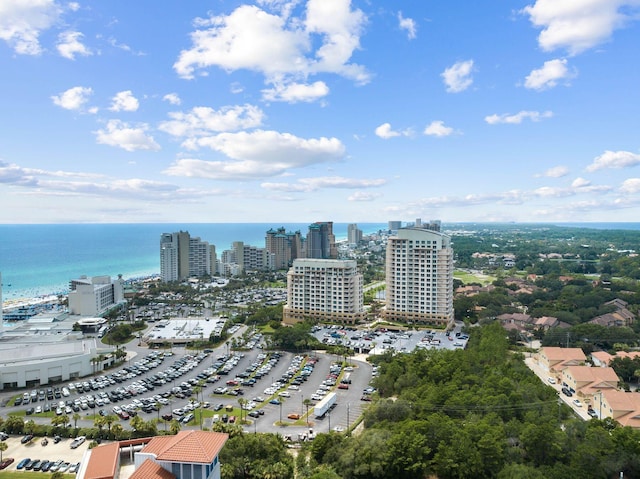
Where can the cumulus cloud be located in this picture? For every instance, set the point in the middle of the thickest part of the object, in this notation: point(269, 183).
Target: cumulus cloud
point(385, 132)
point(258, 154)
point(548, 76)
point(580, 183)
point(409, 25)
point(614, 159)
point(124, 101)
point(296, 92)
point(73, 99)
point(578, 26)
point(457, 77)
point(363, 196)
point(437, 128)
point(518, 117)
point(281, 46)
point(130, 138)
point(555, 172)
point(69, 45)
point(172, 98)
point(312, 184)
point(203, 120)
point(630, 185)
point(22, 22)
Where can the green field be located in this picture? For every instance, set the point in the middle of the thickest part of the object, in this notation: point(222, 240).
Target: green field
point(468, 278)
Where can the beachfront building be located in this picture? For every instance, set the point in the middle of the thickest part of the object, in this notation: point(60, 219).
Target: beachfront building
point(92, 296)
point(186, 455)
point(285, 246)
point(419, 276)
point(354, 234)
point(183, 256)
point(327, 290)
point(321, 242)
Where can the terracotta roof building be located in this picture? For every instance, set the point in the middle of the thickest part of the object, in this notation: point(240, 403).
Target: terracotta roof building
point(554, 359)
point(619, 405)
point(587, 380)
point(188, 454)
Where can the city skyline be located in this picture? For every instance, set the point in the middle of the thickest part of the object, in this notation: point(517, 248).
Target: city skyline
point(283, 111)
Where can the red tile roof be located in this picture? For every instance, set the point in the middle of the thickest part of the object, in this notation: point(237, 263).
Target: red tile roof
point(103, 462)
point(187, 446)
point(151, 470)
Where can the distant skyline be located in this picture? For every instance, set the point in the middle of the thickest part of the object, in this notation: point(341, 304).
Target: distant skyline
point(301, 111)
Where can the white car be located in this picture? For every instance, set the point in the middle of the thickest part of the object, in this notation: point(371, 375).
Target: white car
point(577, 403)
point(551, 380)
point(285, 394)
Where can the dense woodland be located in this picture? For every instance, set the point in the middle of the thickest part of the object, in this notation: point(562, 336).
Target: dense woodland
point(475, 413)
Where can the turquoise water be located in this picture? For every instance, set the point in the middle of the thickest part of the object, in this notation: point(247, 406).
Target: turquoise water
point(37, 260)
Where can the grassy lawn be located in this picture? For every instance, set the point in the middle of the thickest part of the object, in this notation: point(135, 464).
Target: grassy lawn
point(29, 475)
point(467, 278)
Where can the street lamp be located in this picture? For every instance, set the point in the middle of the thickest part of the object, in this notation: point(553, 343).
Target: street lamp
point(329, 416)
point(280, 413)
point(348, 408)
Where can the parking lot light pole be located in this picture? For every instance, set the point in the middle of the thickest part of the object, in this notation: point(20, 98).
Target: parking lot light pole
point(329, 416)
point(280, 413)
point(348, 407)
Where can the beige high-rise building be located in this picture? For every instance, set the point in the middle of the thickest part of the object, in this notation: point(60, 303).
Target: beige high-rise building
point(326, 290)
point(419, 277)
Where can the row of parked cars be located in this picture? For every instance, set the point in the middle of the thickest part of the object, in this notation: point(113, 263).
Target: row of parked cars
point(45, 465)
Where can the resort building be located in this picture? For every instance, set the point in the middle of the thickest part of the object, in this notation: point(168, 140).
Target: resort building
point(187, 455)
point(354, 235)
point(419, 276)
point(327, 290)
point(92, 296)
point(285, 246)
point(182, 256)
point(321, 242)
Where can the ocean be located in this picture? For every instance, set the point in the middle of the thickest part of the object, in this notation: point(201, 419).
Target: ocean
point(38, 260)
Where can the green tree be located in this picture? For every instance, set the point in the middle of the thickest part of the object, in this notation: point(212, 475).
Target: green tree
point(3, 447)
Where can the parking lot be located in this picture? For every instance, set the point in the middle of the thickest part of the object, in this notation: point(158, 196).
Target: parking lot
point(34, 450)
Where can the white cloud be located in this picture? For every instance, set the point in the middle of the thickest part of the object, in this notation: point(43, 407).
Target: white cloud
point(614, 159)
point(579, 25)
point(518, 117)
point(120, 134)
point(457, 77)
point(548, 76)
point(69, 45)
point(385, 132)
point(124, 101)
point(259, 154)
point(580, 183)
point(630, 185)
point(22, 22)
point(276, 45)
point(363, 196)
point(73, 98)
point(312, 184)
point(203, 120)
point(172, 98)
point(409, 25)
point(296, 92)
point(555, 172)
point(437, 128)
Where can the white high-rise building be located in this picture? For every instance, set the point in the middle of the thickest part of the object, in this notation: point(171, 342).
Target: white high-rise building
point(419, 277)
point(354, 235)
point(327, 290)
point(95, 295)
point(183, 256)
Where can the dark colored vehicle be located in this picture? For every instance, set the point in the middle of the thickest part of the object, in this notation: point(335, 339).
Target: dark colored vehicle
point(567, 392)
point(26, 438)
point(6, 462)
point(31, 463)
point(23, 463)
point(56, 439)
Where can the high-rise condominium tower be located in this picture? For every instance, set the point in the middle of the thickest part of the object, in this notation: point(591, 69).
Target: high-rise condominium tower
point(285, 246)
point(182, 256)
point(324, 290)
point(354, 235)
point(419, 277)
point(321, 242)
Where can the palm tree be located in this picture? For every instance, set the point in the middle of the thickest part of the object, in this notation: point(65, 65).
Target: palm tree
point(76, 417)
point(109, 419)
point(117, 430)
point(242, 402)
point(174, 427)
point(3, 447)
point(99, 423)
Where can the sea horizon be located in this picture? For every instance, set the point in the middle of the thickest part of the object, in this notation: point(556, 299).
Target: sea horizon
point(38, 260)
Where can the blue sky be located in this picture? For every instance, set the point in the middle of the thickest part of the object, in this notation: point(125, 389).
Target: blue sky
point(275, 110)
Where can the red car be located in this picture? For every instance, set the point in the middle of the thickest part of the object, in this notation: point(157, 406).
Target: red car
point(6, 462)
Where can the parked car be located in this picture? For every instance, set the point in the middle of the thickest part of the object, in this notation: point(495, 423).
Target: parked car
point(293, 415)
point(77, 442)
point(26, 439)
point(567, 392)
point(6, 462)
point(577, 403)
point(23, 463)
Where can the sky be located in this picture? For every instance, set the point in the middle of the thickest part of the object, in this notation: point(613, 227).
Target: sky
point(321, 110)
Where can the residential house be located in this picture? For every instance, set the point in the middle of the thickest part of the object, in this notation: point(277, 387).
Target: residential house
point(619, 405)
point(554, 359)
point(587, 380)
